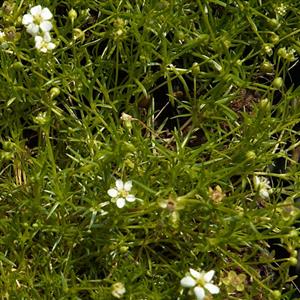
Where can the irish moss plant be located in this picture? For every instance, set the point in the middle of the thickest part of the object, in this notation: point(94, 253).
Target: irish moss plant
point(149, 149)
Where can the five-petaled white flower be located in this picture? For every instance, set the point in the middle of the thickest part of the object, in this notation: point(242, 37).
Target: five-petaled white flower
point(38, 19)
point(262, 185)
point(121, 193)
point(200, 282)
point(43, 43)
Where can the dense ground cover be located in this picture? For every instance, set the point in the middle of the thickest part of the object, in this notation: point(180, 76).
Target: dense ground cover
point(149, 149)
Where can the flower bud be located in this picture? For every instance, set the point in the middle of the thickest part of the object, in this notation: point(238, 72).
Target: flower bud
point(293, 233)
point(266, 67)
point(268, 49)
point(276, 295)
point(277, 83)
point(17, 65)
point(293, 261)
point(78, 34)
point(72, 15)
point(180, 36)
point(250, 155)
point(41, 118)
point(195, 69)
point(281, 52)
point(265, 104)
point(7, 7)
point(274, 38)
point(127, 119)
point(274, 23)
point(118, 290)
point(54, 92)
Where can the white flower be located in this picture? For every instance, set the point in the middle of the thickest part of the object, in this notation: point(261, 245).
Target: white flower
point(200, 282)
point(43, 43)
point(120, 194)
point(262, 185)
point(2, 35)
point(118, 290)
point(38, 19)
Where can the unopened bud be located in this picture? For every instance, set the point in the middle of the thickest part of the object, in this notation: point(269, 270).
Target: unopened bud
point(293, 261)
point(274, 23)
point(17, 65)
point(7, 7)
point(127, 119)
point(195, 69)
point(293, 233)
point(78, 34)
point(268, 49)
point(274, 38)
point(265, 104)
point(266, 67)
point(72, 15)
point(118, 290)
point(276, 295)
point(250, 155)
point(54, 92)
point(277, 83)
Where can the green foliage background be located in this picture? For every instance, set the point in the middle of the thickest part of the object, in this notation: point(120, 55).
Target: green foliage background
point(199, 80)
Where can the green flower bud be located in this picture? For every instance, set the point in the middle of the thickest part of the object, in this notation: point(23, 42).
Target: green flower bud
point(180, 36)
point(276, 295)
point(274, 23)
point(127, 119)
point(250, 155)
point(274, 38)
point(54, 92)
point(268, 49)
point(17, 65)
point(293, 233)
point(7, 7)
point(277, 83)
point(265, 104)
point(41, 118)
point(294, 253)
point(6, 155)
point(78, 34)
point(293, 261)
point(8, 145)
point(282, 52)
point(195, 69)
point(72, 15)
point(203, 38)
point(266, 67)
point(124, 249)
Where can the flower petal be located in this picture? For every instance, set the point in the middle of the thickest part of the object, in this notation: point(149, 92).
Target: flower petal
point(128, 186)
point(195, 273)
point(36, 10)
point(120, 202)
point(188, 282)
point(213, 289)
point(113, 193)
point(46, 26)
point(119, 184)
point(47, 37)
point(209, 275)
point(27, 19)
point(199, 293)
point(263, 193)
point(43, 49)
point(46, 14)
point(32, 29)
point(130, 198)
point(51, 46)
point(38, 39)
